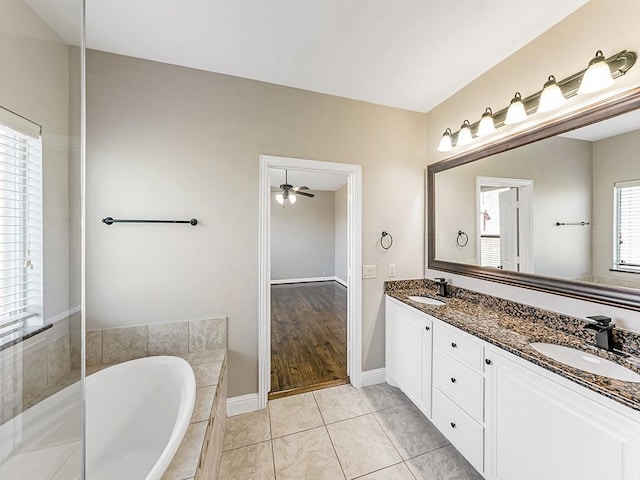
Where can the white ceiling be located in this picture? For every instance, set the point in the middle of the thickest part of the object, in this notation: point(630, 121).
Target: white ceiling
point(607, 128)
point(410, 54)
point(315, 181)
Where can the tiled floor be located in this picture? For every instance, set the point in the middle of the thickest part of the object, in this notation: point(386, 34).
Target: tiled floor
point(340, 433)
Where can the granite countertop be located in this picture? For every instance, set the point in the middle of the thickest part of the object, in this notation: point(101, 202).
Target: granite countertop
point(497, 322)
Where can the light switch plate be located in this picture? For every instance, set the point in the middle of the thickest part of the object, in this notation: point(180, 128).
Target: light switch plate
point(369, 271)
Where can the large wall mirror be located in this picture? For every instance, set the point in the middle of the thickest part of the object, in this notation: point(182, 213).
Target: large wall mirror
point(556, 208)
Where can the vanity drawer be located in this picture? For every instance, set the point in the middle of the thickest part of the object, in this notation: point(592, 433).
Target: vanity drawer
point(461, 384)
point(463, 432)
point(459, 345)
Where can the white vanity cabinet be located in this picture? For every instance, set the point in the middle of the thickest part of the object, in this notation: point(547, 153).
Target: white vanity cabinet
point(408, 352)
point(511, 419)
point(539, 428)
point(458, 391)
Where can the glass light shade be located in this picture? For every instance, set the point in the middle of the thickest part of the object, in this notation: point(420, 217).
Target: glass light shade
point(465, 136)
point(516, 112)
point(551, 96)
point(597, 77)
point(292, 198)
point(445, 142)
point(280, 198)
point(486, 126)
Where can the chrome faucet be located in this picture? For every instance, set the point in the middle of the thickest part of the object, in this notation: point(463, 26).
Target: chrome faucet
point(604, 331)
point(442, 284)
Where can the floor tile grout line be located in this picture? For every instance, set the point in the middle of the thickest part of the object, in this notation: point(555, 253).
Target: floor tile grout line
point(335, 451)
point(409, 468)
point(273, 453)
point(388, 437)
point(324, 422)
point(330, 439)
point(377, 470)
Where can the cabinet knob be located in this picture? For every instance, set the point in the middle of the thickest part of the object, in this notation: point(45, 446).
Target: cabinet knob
point(453, 425)
point(454, 345)
point(427, 328)
point(487, 361)
point(453, 380)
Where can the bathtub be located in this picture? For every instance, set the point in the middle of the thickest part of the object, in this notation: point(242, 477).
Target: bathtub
point(137, 414)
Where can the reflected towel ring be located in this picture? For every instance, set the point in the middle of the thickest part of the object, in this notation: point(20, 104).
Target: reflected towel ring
point(462, 239)
point(384, 235)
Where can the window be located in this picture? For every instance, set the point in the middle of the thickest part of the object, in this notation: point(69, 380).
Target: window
point(20, 221)
point(627, 226)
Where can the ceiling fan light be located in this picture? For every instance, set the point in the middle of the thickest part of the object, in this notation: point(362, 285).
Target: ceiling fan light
point(597, 77)
point(465, 136)
point(292, 198)
point(280, 198)
point(516, 112)
point(486, 126)
point(445, 142)
point(551, 96)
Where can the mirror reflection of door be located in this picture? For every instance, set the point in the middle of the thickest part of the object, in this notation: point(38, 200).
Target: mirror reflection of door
point(505, 216)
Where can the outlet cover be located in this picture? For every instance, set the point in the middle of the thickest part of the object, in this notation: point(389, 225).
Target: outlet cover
point(369, 271)
point(392, 269)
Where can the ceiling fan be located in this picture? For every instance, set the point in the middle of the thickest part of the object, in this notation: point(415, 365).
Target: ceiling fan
point(289, 192)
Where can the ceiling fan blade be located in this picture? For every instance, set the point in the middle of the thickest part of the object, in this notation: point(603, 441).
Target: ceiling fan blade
point(297, 189)
point(305, 194)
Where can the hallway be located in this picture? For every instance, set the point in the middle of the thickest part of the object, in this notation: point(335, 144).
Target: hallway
point(308, 336)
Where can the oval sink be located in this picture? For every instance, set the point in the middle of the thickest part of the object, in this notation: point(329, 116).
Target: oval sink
point(425, 300)
point(585, 361)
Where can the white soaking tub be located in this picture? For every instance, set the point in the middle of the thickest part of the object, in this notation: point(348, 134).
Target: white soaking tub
point(137, 415)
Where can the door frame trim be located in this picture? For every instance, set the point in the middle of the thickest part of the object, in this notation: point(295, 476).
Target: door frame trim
point(354, 261)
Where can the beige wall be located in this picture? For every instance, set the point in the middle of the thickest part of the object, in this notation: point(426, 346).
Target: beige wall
point(172, 142)
point(341, 234)
point(38, 89)
point(561, 170)
point(615, 160)
point(609, 25)
point(303, 237)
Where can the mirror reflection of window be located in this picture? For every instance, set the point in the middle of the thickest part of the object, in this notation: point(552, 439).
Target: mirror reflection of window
point(627, 225)
point(490, 226)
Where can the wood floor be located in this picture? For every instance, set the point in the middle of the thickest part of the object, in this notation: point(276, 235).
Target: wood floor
point(308, 337)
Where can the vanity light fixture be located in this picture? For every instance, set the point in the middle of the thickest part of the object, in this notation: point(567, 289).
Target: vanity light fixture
point(465, 136)
point(600, 74)
point(597, 77)
point(551, 96)
point(486, 126)
point(516, 112)
point(446, 143)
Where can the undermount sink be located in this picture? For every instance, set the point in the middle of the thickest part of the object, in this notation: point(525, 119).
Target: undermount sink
point(425, 300)
point(585, 361)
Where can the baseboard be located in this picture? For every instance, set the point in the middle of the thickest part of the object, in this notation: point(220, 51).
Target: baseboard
point(372, 377)
point(307, 280)
point(242, 404)
point(341, 282)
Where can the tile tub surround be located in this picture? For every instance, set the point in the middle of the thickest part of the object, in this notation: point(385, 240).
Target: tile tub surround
point(202, 444)
point(512, 326)
point(180, 339)
point(29, 373)
point(368, 434)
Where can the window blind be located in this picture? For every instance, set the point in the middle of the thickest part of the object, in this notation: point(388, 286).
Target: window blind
point(20, 220)
point(627, 215)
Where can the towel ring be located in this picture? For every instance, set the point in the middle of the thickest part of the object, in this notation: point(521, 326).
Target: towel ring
point(384, 235)
point(463, 239)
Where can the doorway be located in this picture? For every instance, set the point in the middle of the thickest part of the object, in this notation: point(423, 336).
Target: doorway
point(352, 293)
point(505, 223)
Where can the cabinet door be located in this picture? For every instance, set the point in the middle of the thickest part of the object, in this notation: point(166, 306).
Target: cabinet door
point(408, 353)
point(540, 430)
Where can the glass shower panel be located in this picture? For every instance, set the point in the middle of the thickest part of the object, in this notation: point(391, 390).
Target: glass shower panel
point(41, 329)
